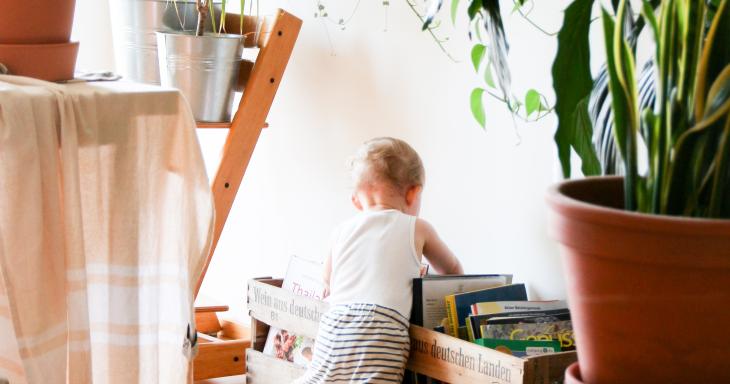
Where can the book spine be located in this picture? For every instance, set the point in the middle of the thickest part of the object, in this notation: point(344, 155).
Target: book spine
point(469, 329)
point(452, 316)
point(417, 306)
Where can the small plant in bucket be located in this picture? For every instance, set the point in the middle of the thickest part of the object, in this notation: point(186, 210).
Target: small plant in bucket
point(204, 67)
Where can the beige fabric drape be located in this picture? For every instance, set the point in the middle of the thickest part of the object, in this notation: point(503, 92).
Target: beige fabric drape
point(105, 217)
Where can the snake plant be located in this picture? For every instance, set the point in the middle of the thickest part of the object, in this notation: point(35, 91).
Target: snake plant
point(687, 132)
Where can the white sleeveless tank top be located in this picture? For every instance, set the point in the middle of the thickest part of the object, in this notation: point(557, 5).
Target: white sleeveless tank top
point(374, 261)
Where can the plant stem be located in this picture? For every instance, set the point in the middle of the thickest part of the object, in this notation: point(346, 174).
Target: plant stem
point(202, 6)
point(438, 41)
point(524, 16)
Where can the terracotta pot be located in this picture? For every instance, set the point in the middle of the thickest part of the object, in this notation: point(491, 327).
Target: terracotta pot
point(649, 294)
point(36, 21)
point(51, 62)
point(572, 374)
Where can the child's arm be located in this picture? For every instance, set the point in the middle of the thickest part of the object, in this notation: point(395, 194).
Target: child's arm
point(435, 250)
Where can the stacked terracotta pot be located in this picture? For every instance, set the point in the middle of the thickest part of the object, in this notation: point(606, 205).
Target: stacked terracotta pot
point(35, 38)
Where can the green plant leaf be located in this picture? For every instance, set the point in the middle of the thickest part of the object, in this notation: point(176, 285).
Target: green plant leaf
point(454, 8)
point(622, 85)
point(582, 139)
point(477, 106)
point(532, 102)
point(715, 55)
point(211, 14)
point(488, 75)
point(474, 8)
point(477, 55)
point(572, 79)
point(222, 26)
point(518, 4)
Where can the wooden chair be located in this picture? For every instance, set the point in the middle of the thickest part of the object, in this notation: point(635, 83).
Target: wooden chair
point(222, 344)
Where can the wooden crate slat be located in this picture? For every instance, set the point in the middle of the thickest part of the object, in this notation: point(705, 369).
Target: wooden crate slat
point(220, 358)
point(207, 322)
point(283, 309)
point(263, 369)
point(553, 365)
point(233, 330)
point(449, 359)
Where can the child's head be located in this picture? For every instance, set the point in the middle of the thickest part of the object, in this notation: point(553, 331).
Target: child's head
point(387, 170)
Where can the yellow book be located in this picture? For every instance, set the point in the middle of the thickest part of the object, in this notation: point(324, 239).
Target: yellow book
point(453, 328)
point(469, 331)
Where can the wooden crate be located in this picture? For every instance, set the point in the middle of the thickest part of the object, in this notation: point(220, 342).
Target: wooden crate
point(432, 354)
point(221, 345)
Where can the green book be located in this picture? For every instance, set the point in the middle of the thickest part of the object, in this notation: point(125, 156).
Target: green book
point(521, 348)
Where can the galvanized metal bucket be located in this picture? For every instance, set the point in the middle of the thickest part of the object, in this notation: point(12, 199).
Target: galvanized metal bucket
point(134, 23)
point(204, 68)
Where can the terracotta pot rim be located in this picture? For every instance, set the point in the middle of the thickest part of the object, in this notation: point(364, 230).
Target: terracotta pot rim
point(591, 212)
point(50, 62)
point(41, 45)
point(572, 374)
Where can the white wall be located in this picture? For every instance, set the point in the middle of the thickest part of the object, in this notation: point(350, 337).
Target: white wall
point(485, 189)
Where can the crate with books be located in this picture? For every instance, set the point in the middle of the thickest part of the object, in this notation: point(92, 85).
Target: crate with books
point(434, 355)
point(491, 331)
point(303, 278)
point(284, 320)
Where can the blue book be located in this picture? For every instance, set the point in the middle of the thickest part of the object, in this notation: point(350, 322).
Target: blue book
point(458, 306)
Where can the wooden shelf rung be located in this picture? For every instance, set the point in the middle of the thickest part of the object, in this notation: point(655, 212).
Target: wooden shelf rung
point(211, 308)
point(221, 125)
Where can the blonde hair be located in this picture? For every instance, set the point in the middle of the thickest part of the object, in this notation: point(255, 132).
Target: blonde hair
point(387, 160)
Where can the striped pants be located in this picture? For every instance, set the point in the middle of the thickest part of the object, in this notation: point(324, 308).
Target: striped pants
point(363, 343)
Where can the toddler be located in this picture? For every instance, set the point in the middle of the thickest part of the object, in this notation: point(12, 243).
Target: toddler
point(373, 260)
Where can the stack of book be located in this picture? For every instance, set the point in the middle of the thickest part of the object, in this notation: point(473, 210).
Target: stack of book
point(491, 311)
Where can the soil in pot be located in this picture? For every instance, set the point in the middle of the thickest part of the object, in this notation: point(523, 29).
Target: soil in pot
point(649, 294)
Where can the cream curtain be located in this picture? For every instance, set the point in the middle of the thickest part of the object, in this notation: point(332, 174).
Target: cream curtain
point(105, 217)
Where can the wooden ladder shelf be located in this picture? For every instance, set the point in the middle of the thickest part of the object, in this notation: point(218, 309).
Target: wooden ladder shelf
point(222, 344)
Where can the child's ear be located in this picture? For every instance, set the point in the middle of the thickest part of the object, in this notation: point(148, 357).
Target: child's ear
point(356, 202)
point(413, 193)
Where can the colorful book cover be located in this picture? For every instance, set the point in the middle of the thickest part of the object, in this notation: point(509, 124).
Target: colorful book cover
point(474, 322)
point(458, 305)
point(429, 308)
point(521, 348)
point(549, 328)
point(304, 278)
point(516, 306)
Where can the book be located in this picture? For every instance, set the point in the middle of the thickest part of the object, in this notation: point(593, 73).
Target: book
point(555, 327)
point(458, 306)
point(521, 348)
point(481, 312)
point(516, 306)
point(475, 322)
point(304, 278)
point(429, 309)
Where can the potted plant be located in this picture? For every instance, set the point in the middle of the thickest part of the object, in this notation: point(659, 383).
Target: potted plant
point(34, 38)
point(646, 256)
point(133, 28)
point(204, 67)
